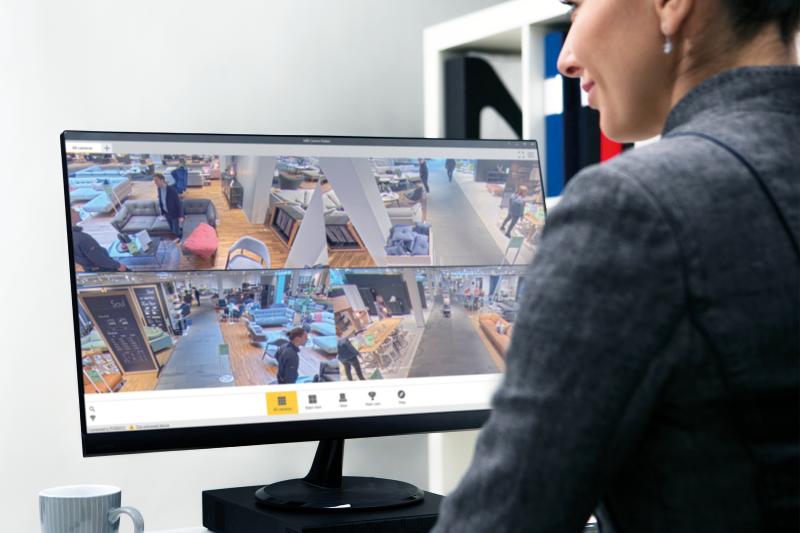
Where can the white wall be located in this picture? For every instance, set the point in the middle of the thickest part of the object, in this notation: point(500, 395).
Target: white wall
point(275, 66)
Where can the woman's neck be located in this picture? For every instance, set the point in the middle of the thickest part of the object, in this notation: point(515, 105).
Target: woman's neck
point(765, 49)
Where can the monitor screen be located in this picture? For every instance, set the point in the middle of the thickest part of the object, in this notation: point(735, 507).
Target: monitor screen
point(245, 289)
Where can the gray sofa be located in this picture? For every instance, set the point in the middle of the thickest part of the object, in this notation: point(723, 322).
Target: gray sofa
point(194, 179)
point(137, 215)
point(405, 215)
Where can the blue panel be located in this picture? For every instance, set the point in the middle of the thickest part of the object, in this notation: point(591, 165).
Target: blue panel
point(552, 48)
point(279, 289)
point(554, 171)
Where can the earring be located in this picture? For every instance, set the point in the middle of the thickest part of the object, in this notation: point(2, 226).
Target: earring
point(667, 44)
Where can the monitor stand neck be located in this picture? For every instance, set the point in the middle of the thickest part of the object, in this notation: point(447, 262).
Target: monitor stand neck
point(325, 489)
point(326, 470)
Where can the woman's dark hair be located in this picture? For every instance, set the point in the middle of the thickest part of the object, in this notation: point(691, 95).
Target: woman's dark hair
point(750, 16)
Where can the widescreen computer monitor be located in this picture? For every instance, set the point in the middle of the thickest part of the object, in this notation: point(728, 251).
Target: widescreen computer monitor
point(234, 290)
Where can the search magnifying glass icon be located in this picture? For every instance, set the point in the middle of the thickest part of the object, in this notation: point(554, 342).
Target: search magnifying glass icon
point(91, 409)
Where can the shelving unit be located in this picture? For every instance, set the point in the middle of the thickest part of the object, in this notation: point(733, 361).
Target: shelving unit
point(516, 27)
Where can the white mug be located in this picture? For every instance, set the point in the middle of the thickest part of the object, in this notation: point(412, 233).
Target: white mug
point(84, 509)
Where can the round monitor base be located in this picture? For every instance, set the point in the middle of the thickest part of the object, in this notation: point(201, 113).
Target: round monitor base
point(356, 493)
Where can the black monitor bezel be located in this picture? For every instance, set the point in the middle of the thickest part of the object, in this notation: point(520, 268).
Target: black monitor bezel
point(222, 436)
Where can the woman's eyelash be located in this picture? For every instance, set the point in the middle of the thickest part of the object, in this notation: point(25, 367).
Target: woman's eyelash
point(572, 5)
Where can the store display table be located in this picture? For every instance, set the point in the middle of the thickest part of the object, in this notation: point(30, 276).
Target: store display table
point(161, 254)
point(390, 198)
point(380, 331)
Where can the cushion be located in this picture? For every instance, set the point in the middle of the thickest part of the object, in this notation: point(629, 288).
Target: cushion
point(395, 250)
point(420, 246)
point(137, 223)
point(402, 233)
point(423, 228)
point(324, 328)
point(82, 194)
point(202, 242)
point(159, 225)
point(326, 343)
point(243, 262)
point(98, 204)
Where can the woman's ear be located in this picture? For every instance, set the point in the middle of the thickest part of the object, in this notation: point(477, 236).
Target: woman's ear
point(673, 14)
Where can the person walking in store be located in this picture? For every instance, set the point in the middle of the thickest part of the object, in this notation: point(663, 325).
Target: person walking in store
point(181, 177)
point(288, 356)
point(450, 166)
point(380, 304)
point(170, 204)
point(87, 251)
point(197, 296)
point(516, 210)
point(653, 374)
point(423, 174)
point(185, 310)
point(349, 356)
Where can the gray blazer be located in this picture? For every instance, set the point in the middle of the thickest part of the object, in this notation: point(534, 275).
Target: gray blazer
point(654, 368)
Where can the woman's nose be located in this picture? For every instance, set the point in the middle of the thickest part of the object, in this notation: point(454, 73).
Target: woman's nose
point(567, 64)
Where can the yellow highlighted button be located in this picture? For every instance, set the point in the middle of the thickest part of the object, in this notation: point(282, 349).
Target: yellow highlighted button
point(282, 403)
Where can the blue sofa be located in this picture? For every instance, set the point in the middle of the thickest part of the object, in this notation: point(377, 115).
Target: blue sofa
point(326, 343)
point(93, 191)
point(326, 327)
point(274, 316)
point(96, 171)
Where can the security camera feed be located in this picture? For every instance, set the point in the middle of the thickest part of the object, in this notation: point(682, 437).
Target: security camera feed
point(241, 279)
point(198, 330)
point(152, 211)
point(159, 332)
point(424, 322)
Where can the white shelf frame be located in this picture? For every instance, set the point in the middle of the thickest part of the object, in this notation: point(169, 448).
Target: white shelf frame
point(518, 27)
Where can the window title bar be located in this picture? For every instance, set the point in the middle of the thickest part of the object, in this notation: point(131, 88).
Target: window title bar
point(110, 137)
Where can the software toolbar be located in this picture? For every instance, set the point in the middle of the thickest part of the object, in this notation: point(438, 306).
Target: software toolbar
point(226, 406)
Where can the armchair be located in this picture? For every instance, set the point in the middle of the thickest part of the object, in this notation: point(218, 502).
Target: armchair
point(238, 260)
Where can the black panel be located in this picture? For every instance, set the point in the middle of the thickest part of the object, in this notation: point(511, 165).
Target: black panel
point(115, 318)
point(471, 84)
point(150, 306)
point(385, 285)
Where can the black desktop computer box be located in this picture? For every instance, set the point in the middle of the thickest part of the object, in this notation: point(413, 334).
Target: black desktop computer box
point(235, 511)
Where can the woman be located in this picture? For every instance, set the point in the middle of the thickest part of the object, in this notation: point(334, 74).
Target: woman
point(653, 371)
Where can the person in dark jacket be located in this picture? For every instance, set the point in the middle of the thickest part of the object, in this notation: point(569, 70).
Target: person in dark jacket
point(516, 210)
point(288, 356)
point(450, 166)
point(197, 295)
point(349, 356)
point(653, 374)
point(423, 174)
point(181, 177)
point(170, 204)
point(87, 251)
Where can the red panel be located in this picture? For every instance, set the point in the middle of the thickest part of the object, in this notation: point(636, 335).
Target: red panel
point(608, 148)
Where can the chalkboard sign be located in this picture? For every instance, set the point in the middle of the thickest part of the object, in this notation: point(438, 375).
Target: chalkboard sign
point(114, 316)
point(151, 307)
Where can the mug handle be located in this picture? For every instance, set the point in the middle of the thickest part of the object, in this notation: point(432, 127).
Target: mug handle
point(136, 517)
